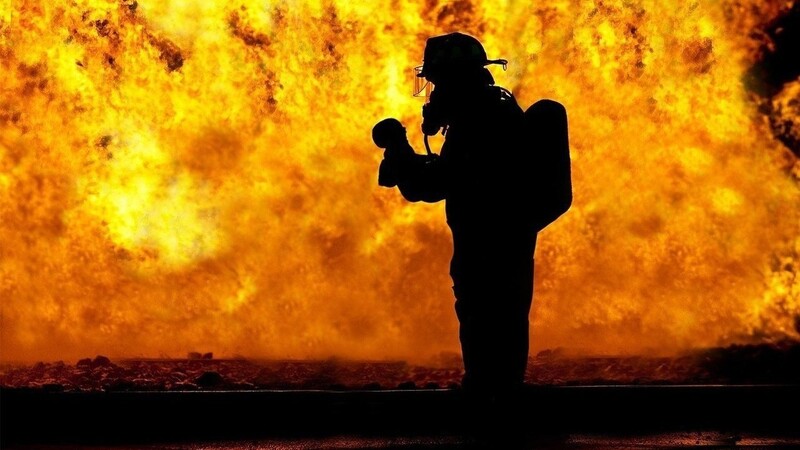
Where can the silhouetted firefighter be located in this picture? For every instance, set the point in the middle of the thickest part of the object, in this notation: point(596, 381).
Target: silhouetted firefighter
point(505, 175)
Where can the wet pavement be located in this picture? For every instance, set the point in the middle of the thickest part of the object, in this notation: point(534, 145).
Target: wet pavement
point(704, 439)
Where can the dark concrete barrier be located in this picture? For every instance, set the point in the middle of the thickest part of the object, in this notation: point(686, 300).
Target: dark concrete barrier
point(35, 416)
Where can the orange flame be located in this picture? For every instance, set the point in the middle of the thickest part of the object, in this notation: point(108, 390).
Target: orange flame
point(199, 175)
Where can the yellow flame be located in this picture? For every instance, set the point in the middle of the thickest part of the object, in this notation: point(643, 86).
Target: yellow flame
point(199, 176)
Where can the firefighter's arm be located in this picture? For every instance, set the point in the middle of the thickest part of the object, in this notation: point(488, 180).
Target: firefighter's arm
point(424, 180)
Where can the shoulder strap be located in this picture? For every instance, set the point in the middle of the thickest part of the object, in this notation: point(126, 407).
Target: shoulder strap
point(505, 94)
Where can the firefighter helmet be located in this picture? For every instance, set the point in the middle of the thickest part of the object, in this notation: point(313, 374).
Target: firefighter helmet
point(452, 53)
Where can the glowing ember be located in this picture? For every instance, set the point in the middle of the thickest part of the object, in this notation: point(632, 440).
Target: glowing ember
point(178, 175)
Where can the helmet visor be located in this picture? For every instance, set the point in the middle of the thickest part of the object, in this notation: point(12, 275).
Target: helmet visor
point(422, 86)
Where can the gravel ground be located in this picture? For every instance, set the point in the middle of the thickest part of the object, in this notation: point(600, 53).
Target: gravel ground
point(776, 363)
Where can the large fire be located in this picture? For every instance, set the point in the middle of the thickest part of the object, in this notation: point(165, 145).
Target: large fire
point(199, 175)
